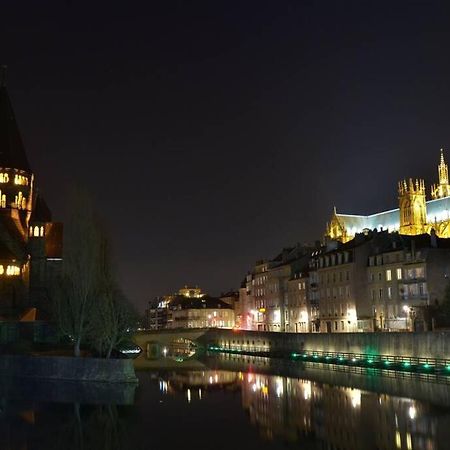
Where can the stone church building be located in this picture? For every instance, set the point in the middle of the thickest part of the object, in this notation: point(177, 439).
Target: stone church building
point(415, 215)
point(30, 242)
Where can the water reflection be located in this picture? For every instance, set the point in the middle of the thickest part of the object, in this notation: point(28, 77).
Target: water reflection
point(48, 415)
point(71, 427)
point(244, 408)
point(292, 410)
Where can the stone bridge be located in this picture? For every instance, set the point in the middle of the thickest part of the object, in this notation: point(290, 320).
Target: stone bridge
point(168, 337)
point(171, 347)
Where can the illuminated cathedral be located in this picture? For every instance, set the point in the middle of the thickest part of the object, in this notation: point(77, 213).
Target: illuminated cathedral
point(415, 215)
point(30, 242)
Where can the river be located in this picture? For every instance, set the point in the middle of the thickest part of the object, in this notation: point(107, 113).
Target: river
point(231, 403)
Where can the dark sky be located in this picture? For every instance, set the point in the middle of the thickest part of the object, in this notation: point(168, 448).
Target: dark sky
point(213, 133)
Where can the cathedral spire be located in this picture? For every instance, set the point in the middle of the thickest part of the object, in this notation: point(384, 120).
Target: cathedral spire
point(443, 188)
point(443, 170)
point(12, 151)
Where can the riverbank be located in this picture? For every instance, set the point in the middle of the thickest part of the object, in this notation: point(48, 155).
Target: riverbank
point(68, 368)
point(431, 345)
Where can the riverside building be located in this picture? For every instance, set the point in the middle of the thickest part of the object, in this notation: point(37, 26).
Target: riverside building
point(190, 308)
point(382, 272)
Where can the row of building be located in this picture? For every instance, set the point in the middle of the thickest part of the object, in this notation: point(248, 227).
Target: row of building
point(377, 281)
point(383, 272)
point(191, 308)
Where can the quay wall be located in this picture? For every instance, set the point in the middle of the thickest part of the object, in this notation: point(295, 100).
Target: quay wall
point(421, 345)
point(68, 368)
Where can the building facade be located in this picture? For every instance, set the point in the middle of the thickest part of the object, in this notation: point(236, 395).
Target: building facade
point(191, 308)
point(414, 216)
point(30, 242)
point(378, 281)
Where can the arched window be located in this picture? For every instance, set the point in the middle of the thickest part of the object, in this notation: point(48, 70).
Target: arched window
point(3, 201)
point(19, 198)
point(36, 231)
point(42, 231)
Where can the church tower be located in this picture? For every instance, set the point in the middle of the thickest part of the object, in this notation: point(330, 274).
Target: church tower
point(29, 244)
point(413, 208)
point(443, 188)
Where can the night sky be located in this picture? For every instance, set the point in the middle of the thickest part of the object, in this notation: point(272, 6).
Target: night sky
point(213, 133)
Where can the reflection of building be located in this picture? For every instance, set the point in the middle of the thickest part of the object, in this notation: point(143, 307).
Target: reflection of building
point(190, 308)
point(196, 384)
point(339, 417)
point(30, 243)
point(414, 216)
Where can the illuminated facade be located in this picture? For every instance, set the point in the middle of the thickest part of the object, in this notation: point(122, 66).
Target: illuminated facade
point(414, 216)
point(277, 294)
point(30, 243)
point(190, 308)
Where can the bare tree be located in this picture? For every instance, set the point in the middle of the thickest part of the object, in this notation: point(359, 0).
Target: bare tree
point(88, 302)
point(75, 294)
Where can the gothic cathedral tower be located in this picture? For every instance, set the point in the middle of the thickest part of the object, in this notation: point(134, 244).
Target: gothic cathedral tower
point(443, 188)
point(413, 207)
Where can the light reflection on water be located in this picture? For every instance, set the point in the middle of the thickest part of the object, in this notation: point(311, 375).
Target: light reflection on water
point(223, 409)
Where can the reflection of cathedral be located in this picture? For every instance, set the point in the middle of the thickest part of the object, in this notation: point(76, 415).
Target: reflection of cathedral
point(414, 216)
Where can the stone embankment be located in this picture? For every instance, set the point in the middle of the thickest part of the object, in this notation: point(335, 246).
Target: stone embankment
point(68, 368)
point(409, 345)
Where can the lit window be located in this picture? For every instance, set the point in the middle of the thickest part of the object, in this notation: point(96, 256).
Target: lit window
point(399, 273)
point(4, 178)
point(19, 200)
point(389, 292)
point(42, 231)
point(3, 201)
point(36, 231)
point(389, 275)
point(12, 270)
point(20, 179)
point(2, 270)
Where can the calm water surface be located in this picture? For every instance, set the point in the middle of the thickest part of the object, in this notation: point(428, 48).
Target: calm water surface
point(223, 404)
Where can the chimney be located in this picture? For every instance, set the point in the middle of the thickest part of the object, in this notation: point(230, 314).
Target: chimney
point(413, 250)
point(433, 238)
